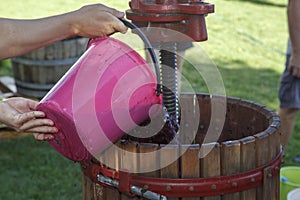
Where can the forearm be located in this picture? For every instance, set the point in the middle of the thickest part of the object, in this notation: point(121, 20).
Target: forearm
point(294, 24)
point(40, 32)
point(21, 36)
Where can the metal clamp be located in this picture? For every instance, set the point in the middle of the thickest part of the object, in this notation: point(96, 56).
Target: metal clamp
point(133, 189)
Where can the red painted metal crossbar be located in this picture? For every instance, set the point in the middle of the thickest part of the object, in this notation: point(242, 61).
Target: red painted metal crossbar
point(190, 187)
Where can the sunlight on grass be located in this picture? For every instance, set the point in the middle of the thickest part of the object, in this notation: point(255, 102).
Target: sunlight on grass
point(247, 34)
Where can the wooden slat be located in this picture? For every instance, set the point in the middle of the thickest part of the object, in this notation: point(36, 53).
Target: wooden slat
point(210, 154)
point(230, 162)
point(262, 157)
point(189, 119)
point(99, 192)
point(59, 50)
point(232, 125)
point(129, 157)
point(190, 164)
point(148, 160)
point(169, 162)
point(72, 50)
point(87, 188)
point(129, 162)
point(248, 162)
point(204, 103)
point(110, 159)
point(40, 54)
point(18, 71)
point(91, 190)
point(110, 193)
point(59, 72)
point(81, 45)
point(274, 149)
point(278, 149)
point(49, 52)
point(67, 45)
point(84, 183)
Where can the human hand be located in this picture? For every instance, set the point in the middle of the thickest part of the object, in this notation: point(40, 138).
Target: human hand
point(294, 66)
point(19, 113)
point(97, 20)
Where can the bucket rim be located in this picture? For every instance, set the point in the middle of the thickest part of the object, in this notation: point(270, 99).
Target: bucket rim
point(290, 167)
point(289, 183)
point(293, 192)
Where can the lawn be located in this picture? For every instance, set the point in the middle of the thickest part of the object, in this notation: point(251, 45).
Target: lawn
point(247, 42)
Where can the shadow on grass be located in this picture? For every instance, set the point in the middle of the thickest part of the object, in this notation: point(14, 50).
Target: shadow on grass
point(264, 2)
point(250, 82)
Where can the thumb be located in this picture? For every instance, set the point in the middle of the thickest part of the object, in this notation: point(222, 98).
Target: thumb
point(120, 26)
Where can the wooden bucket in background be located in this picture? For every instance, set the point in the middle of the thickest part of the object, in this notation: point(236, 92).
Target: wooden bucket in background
point(244, 164)
point(37, 72)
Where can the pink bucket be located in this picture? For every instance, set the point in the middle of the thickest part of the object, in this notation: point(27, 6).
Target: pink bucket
point(106, 93)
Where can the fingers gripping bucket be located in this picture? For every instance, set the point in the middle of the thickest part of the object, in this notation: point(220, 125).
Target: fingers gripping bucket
point(107, 92)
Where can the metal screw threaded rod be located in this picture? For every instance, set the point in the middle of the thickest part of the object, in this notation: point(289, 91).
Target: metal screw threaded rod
point(168, 59)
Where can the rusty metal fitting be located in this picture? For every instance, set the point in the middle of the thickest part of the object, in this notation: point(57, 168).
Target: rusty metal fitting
point(184, 16)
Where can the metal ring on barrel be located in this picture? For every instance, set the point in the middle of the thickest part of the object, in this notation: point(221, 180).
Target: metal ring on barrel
point(191, 187)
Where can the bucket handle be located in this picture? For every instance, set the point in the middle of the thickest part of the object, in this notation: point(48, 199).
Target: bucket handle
point(150, 49)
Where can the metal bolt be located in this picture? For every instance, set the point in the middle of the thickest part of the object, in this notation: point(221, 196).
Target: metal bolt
point(168, 188)
point(234, 184)
point(213, 187)
point(252, 180)
point(191, 188)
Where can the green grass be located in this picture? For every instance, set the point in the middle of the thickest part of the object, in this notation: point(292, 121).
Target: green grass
point(247, 42)
point(33, 170)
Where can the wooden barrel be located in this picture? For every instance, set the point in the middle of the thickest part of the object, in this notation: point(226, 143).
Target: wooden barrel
point(243, 164)
point(37, 72)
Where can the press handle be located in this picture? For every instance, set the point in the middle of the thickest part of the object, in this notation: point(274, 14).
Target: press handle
point(149, 46)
